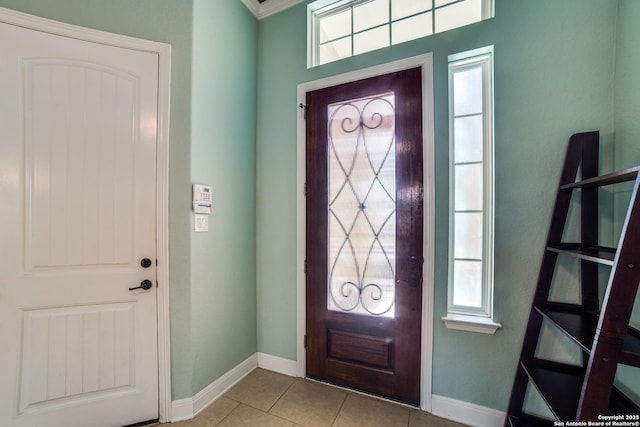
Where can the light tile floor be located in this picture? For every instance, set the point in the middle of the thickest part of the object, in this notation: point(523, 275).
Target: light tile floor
point(267, 399)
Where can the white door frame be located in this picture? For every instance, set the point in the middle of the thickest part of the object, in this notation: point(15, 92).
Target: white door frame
point(426, 62)
point(162, 169)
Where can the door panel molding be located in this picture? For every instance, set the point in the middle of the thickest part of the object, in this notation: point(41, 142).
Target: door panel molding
point(103, 365)
point(425, 62)
point(163, 52)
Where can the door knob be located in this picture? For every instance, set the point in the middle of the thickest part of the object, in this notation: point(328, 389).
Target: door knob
point(145, 263)
point(145, 284)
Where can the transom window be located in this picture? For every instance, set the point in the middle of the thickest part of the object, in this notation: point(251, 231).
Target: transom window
point(342, 28)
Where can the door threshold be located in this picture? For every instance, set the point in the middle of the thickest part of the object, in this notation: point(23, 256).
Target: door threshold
point(364, 393)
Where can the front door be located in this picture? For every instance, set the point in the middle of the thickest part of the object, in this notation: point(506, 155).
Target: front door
point(78, 226)
point(364, 234)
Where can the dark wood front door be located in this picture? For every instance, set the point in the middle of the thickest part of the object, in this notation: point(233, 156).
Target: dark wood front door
point(364, 235)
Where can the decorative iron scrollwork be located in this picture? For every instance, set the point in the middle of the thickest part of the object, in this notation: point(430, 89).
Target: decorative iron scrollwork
point(368, 188)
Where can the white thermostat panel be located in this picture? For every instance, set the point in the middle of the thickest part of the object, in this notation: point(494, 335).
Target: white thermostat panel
point(202, 199)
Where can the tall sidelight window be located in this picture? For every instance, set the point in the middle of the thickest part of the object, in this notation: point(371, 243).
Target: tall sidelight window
point(342, 28)
point(471, 189)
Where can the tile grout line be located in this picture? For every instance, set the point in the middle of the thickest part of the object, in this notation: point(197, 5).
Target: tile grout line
point(239, 404)
point(268, 411)
point(230, 412)
point(346, 396)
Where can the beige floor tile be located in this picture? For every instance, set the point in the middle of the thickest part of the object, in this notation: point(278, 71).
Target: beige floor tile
point(362, 411)
point(212, 415)
point(424, 419)
point(188, 423)
point(246, 416)
point(260, 389)
point(218, 410)
point(310, 404)
point(303, 403)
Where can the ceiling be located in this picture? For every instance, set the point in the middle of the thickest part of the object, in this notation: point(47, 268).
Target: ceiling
point(263, 8)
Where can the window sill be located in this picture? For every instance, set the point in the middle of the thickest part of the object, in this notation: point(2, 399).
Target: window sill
point(460, 322)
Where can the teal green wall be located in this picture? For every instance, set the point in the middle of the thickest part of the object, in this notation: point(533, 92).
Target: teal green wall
point(553, 77)
point(223, 117)
point(627, 89)
point(212, 141)
point(627, 135)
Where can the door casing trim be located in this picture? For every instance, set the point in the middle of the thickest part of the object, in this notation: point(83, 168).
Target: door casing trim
point(426, 62)
point(163, 51)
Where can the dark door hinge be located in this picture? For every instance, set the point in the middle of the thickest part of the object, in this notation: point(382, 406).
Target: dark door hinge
point(304, 107)
point(306, 266)
point(306, 189)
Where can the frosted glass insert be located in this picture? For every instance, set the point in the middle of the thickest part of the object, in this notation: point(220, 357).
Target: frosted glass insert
point(402, 8)
point(371, 39)
point(334, 26)
point(468, 235)
point(468, 279)
point(468, 187)
point(458, 15)
point(335, 50)
point(439, 3)
point(370, 14)
point(362, 209)
point(468, 142)
point(467, 96)
point(412, 28)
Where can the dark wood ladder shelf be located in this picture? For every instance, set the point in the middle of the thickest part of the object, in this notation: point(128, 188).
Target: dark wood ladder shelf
point(601, 329)
point(598, 254)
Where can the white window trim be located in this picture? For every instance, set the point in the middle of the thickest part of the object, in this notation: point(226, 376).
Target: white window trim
point(461, 322)
point(313, 28)
point(462, 317)
point(316, 9)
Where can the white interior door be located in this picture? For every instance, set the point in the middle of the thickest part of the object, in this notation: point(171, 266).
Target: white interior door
point(77, 214)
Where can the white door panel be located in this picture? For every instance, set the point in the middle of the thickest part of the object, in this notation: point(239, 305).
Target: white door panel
point(77, 185)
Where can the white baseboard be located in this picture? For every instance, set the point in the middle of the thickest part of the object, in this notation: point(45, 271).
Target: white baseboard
point(185, 409)
point(181, 409)
point(277, 364)
point(466, 413)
